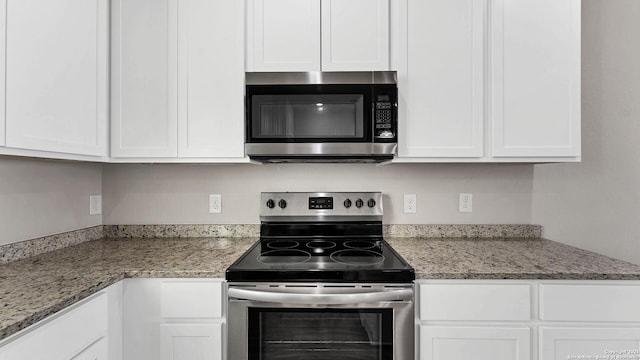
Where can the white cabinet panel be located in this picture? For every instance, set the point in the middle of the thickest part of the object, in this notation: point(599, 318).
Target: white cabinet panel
point(535, 81)
point(191, 299)
point(478, 343)
point(191, 341)
point(97, 351)
point(441, 78)
point(64, 336)
point(284, 35)
point(144, 78)
point(211, 78)
point(590, 302)
point(56, 75)
point(488, 302)
point(355, 35)
point(173, 319)
point(3, 34)
point(589, 343)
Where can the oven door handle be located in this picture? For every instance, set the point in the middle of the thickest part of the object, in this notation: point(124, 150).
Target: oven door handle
point(321, 299)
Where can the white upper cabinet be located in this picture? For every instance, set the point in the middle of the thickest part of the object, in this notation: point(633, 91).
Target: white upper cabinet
point(488, 80)
point(315, 35)
point(3, 33)
point(441, 78)
point(55, 75)
point(144, 78)
point(355, 35)
point(178, 79)
point(283, 35)
point(211, 78)
point(535, 78)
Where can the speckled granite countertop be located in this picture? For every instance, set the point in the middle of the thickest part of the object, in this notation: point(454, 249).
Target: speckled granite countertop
point(36, 287)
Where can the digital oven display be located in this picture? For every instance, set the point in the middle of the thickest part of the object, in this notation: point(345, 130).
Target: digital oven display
point(320, 203)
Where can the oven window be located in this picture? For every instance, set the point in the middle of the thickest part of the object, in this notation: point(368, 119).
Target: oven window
point(314, 334)
point(308, 116)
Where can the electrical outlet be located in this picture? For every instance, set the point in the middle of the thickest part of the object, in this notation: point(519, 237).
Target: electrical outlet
point(215, 204)
point(410, 203)
point(466, 202)
point(95, 204)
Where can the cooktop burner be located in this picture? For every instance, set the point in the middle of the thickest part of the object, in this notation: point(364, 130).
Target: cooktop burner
point(303, 237)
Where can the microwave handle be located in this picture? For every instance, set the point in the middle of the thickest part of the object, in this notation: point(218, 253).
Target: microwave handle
point(321, 299)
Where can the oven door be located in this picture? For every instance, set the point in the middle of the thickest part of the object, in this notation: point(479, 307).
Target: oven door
point(320, 321)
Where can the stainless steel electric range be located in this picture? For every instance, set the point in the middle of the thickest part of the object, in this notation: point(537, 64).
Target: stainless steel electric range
point(321, 283)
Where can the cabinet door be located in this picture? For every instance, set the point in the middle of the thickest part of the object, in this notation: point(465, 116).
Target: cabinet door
point(535, 81)
point(283, 35)
point(589, 343)
point(56, 75)
point(64, 335)
point(478, 343)
point(144, 78)
point(172, 318)
point(355, 35)
point(440, 78)
point(3, 33)
point(191, 341)
point(211, 78)
point(96, 351)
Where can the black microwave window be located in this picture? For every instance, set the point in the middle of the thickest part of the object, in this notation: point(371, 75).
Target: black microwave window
point(308, 116)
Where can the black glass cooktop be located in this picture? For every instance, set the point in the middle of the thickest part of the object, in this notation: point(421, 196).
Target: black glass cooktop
point(345, 259)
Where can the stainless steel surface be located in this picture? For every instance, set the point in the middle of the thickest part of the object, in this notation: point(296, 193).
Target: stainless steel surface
point(320, 77)
point(403, 315)
point(298, 206)
point(321, 299)
point(320, 149)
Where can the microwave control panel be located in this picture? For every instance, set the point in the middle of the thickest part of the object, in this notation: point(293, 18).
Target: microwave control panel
point(384, 115)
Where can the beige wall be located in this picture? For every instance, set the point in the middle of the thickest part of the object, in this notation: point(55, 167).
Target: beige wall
point(596, 204)
point(169, 194)
point(39, 198)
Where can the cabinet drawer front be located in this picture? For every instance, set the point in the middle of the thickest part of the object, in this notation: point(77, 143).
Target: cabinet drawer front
point(589, 302)
point(191, 299)
point(475, 302)
point(64, 336)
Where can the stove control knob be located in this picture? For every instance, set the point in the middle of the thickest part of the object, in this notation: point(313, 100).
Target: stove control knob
point(347, 203)
point(271, 204)
point(359, 203)
point(282, 203)
point(371, 203)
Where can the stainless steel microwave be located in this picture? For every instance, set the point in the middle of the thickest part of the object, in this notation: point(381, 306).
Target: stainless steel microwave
point(321, 116)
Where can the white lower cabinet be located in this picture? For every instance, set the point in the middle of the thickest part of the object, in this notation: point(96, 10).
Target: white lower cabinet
point(82, 331)
point(589, 343)
point(483, 320)
point(461, 343)
point(527, 319)
point(99, 350)
point(191, 341)
point(173, 319)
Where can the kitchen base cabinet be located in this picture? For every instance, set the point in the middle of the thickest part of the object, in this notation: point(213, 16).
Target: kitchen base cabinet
point(82, 331)
point(177, 319)
point(589, 343)
point(479, 343)
point(527, 319)
point(99, 350)
point(191, 341)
